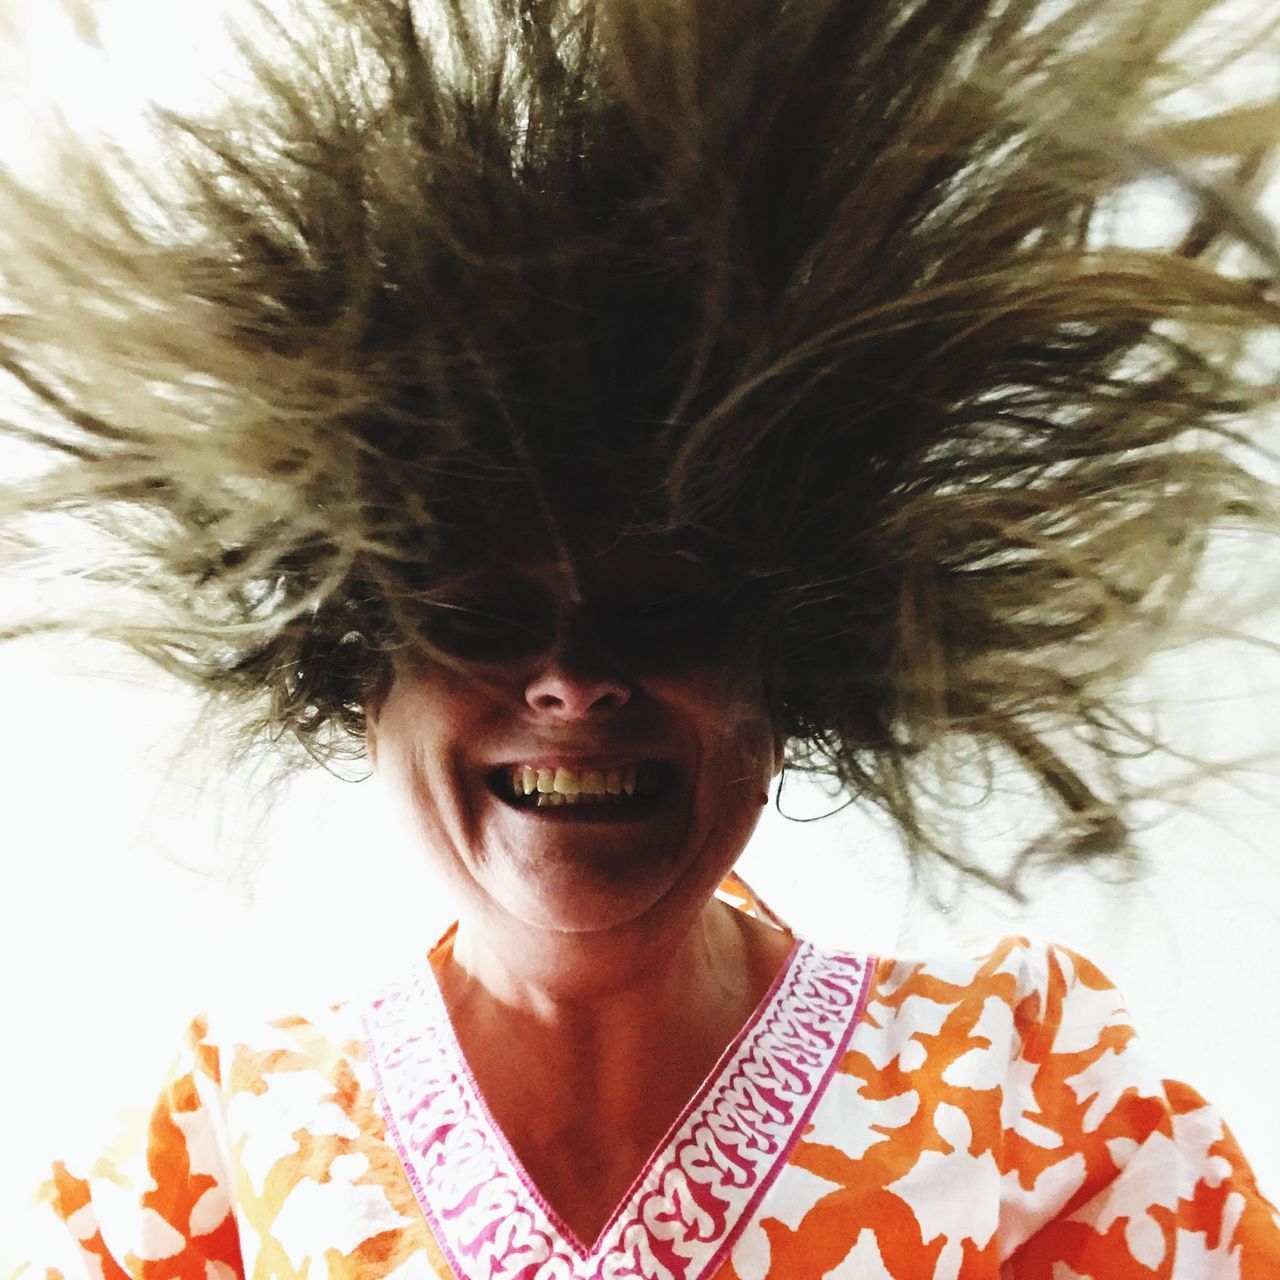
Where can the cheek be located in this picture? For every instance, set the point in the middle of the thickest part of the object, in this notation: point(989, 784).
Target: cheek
point(738, 734)
point(415, 741)
point(737, 766)
point(425, 783)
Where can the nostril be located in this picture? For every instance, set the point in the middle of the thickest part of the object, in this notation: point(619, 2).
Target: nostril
point(567, 696)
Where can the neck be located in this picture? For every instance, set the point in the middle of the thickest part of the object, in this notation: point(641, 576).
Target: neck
point(561, 978)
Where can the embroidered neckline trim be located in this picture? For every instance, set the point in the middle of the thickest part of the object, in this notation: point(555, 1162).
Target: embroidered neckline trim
point(698, 1190)
point(571, 1237)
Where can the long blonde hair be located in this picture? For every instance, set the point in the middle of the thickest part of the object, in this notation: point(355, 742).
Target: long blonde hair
point(822, 291)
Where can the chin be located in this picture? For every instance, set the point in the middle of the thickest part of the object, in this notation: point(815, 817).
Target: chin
point(599, 894)
point(651, 871)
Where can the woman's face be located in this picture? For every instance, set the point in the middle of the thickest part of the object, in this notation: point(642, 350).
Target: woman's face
point(588, 766)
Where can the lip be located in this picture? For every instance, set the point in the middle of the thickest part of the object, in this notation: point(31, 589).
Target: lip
point(577, 763)
point(600, 815)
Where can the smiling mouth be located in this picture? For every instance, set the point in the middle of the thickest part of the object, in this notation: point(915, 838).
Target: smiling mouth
point(633, 789)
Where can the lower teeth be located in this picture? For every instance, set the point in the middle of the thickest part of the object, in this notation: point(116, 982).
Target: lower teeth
point(543, 800)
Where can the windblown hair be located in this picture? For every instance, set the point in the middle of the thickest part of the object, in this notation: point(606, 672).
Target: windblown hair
point(829, 294)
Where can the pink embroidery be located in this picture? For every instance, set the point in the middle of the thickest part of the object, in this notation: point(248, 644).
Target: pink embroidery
point(700, 1187)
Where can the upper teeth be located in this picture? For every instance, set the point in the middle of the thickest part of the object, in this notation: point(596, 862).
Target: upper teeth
point(526, 779)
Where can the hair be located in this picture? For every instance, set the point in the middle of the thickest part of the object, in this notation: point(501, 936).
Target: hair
point(843, 298)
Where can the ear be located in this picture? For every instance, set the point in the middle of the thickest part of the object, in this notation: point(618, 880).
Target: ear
point(373, 699)
point(780, 736)
point(771, 684)
point(779, 751)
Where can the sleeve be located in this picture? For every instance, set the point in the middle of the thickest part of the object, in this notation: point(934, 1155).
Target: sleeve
point(1108, 1170)
point(155, 1207)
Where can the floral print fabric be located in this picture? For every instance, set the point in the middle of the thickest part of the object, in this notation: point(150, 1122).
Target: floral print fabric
point(980, 1116)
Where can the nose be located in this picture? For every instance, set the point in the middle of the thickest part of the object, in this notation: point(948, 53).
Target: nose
point(574, 683)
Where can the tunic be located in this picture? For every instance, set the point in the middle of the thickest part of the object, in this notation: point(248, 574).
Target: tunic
point(960, 1116)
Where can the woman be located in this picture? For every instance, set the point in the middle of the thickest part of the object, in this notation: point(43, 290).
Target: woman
point(584, 409)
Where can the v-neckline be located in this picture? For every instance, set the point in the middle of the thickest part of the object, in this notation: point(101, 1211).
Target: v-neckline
point(581, 1247)
point(697, 1189)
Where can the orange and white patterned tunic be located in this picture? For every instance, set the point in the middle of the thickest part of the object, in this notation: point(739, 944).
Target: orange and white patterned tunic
point(876, 1119)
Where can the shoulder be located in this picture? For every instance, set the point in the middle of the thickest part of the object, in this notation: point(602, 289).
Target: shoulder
point(1039, 988)
point(1014, 965)
point(246, 1051)
point(1014, 1017)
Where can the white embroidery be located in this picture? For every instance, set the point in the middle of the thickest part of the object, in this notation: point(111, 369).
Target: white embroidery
point(696, 1194)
